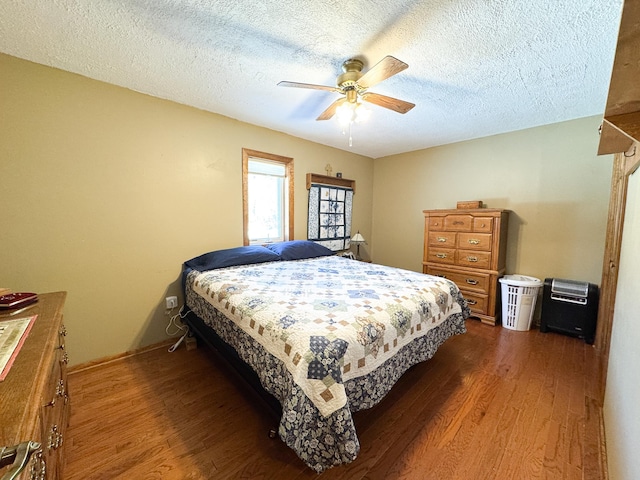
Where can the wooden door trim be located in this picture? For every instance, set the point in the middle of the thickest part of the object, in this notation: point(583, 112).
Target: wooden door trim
point(611, 264)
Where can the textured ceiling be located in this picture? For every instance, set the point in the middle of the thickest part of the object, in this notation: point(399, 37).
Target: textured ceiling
point(476, 67)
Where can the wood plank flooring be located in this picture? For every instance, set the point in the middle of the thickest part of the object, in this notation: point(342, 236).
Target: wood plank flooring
point(491, 404)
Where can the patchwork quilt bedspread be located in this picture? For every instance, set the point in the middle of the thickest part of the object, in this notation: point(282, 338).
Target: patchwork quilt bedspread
point(327, 336)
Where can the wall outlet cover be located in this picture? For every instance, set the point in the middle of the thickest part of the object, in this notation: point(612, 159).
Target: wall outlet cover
point(171, 302)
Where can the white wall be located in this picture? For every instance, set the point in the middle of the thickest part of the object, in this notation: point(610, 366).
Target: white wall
point(622, 396)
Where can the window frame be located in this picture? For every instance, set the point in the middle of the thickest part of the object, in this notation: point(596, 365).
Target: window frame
point(289, 195)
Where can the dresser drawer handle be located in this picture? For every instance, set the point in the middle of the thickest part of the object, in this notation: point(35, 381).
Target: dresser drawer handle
point(441, 255)
point(471, 281)
point(442, 239)
point(18, 457)
point(458, 222)
point(60, 388)
point(55, 438)
point(38, 467)
point(472, 259)
point(441, 276)
point(473, 241)
point(60, 392)
point(472, 302)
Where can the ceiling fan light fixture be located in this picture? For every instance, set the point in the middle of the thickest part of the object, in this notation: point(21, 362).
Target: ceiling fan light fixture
point(362, 113)
point(349, 113)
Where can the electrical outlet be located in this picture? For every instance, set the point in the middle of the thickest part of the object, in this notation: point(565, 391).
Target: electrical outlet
point(171, 302)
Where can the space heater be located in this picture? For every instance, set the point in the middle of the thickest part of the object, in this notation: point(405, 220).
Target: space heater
point(570, 307)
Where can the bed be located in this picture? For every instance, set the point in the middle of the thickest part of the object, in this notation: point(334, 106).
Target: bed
point(323, 335)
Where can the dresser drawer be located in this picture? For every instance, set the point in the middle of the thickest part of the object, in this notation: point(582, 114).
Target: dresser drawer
point(63, 361)
point(56, 388)
point(478, 303)
point(483, 224)
point(470, 258)
point(475, 241)
point(458, 223)
point(446, 256)
point(478, 282)
point(443, 239)
point(436, 223)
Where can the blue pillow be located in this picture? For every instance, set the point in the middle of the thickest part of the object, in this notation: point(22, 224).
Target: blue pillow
point(299, 249)
point(231, 257)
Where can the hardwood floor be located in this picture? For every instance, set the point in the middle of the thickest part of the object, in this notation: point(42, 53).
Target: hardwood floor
point(491, 404)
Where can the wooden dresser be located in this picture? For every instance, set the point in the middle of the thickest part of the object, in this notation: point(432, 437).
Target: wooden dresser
point(35, 401)
point(468, 246)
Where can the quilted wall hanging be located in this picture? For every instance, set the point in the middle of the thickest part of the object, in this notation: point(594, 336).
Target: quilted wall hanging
point(329, 221)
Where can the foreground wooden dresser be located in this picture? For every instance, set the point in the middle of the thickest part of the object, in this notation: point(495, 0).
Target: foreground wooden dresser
point(469, 248)
point(35, 401)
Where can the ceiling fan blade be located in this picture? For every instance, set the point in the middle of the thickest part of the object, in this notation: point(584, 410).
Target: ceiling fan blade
point(331, 109)
point(391, 103)
point(308, 85)
point(382, 70)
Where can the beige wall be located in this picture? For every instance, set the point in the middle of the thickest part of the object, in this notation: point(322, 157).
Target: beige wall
point(549, 177)
point(104, 192)
point(622, 396)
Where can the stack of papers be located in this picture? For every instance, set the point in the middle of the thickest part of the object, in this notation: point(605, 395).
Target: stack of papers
point(12, 336)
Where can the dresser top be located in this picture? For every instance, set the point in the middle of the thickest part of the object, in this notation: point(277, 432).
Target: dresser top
point(467, 211)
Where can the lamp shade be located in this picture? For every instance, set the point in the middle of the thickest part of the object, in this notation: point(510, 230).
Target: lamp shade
point(357, 238)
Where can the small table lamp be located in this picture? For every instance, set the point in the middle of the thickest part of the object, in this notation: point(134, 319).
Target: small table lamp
point(358, 240)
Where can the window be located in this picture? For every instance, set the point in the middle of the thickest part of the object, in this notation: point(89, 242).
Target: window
point(267, 197)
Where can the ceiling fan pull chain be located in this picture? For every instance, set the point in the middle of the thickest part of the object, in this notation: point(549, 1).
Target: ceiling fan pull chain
point(344, 132)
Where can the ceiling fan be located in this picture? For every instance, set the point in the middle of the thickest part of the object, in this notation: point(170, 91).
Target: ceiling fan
point(354, 85)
